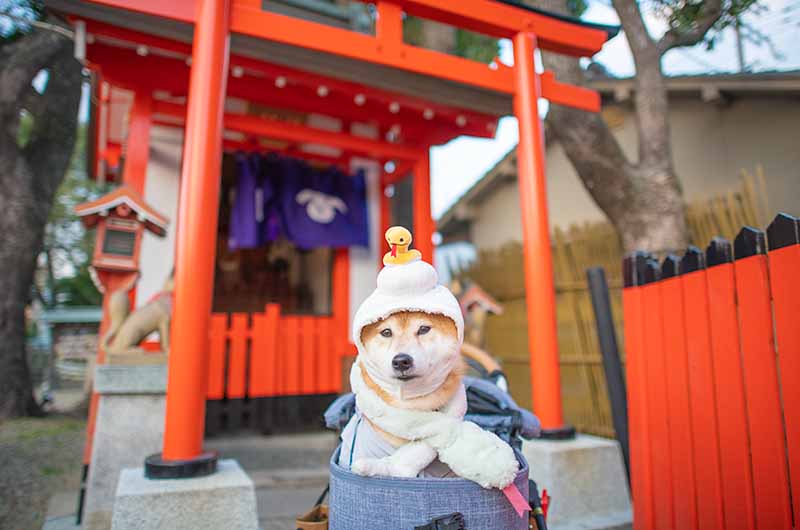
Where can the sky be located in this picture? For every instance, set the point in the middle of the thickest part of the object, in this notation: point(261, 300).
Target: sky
point(460, 163)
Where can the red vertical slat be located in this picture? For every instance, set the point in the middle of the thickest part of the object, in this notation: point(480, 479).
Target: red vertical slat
point(216, 357)
point(280, 356)
point(784, 275)
point(237, 359)
point(326, 352)
point(701, 391)
point(636, 375)
point(656, 388)
point(291, 356)
point(259, 371)
point(770, 476)
point(309, 366)
point(677, 381)
point(734, 440)
point(272, 316)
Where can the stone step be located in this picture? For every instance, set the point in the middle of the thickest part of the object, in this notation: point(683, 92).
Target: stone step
point(269, 453)
point(289, 478)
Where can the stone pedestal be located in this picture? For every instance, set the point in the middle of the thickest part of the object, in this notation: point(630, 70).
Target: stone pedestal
point(129, 427)
point(585, 478)
point(225, 499)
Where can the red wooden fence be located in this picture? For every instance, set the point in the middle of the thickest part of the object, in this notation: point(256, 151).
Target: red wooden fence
point(713, 349)
point(269, 354)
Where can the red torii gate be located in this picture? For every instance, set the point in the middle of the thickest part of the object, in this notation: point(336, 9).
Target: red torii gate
point(213, 75)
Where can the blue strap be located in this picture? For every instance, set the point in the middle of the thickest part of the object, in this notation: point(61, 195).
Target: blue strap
point(353, 444)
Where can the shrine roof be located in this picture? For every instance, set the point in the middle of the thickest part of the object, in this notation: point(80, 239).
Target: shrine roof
point(430, 88)
point(609, 29)
point(91, 211)
point(448, 99)
point(320, 62)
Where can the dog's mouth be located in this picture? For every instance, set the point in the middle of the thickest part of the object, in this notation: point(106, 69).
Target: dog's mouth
point(406, 377)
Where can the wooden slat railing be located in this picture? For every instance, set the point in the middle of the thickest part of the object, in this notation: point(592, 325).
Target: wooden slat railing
point(269, 354)
point(713, 342)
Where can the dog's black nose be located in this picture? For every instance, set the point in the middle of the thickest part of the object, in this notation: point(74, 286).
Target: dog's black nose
point(402, 362)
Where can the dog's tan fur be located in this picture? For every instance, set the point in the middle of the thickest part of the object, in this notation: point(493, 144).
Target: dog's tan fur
point(403, 324)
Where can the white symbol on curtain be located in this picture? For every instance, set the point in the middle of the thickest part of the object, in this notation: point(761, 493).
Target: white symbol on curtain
point(320, 207)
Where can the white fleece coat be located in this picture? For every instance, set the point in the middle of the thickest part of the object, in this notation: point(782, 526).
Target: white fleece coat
point(468, 450)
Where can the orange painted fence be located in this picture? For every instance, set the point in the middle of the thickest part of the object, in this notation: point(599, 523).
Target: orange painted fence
point(254, 355)
point(713, 349)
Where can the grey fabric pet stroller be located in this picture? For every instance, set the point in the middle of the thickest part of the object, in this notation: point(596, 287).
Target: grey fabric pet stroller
point(384, 503)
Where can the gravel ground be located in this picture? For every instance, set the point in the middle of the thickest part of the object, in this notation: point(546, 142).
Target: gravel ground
point(38, 458)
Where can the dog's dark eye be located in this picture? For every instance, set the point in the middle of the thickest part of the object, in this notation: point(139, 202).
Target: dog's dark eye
point(423, 330)
point(386, 333)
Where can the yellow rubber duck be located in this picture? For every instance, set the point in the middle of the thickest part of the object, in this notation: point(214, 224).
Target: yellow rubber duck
point(399, 239)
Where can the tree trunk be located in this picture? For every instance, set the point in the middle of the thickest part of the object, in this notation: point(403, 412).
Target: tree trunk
point(642, 199)
point(29, 178)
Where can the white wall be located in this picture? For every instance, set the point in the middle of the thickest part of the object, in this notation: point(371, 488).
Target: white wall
point(711, 145)
point(364, 261)
point(161, 192)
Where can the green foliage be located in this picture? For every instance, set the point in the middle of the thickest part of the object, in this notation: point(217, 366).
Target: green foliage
point(475, 46)
point(68, 246)
point(25, 128)
point(682, 15)
point(468, 44)
point(78, 290)
point(412, 31)
point(576, 8)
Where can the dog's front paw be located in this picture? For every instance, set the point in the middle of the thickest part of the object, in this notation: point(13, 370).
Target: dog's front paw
point(371, 467)
point(403, 471)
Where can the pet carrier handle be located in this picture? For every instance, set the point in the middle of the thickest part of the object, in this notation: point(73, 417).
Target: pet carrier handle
point(321, 498)
point(537, 513)
point(453, 521)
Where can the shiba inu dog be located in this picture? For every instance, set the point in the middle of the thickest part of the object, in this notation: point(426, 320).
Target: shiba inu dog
point(421, 352)
point(410, 400)
point(414, 348)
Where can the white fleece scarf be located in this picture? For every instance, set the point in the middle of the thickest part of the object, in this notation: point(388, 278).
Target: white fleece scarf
point(471, 452)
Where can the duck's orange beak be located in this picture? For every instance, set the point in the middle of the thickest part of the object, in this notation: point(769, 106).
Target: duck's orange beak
point(394, 250)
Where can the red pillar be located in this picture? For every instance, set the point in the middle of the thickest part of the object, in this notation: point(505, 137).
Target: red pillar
point(137, 152)
point(197, 232)
point(539, 293)
point(424, 225)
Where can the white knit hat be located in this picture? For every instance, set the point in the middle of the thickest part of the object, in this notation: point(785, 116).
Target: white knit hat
point(412, 286)
point(406, 283)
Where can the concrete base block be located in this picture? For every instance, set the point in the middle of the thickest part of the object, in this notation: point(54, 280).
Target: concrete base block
point(585, 479)
point(225, 499)
point(129, 427)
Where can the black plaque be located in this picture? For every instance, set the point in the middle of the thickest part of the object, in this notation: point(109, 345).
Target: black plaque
point(119, 242)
